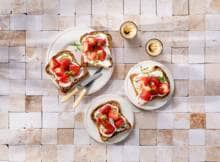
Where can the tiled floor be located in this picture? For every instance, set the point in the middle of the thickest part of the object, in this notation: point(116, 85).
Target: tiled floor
point(35, 126)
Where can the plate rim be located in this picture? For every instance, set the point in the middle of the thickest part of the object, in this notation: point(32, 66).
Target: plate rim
point(145, 107)
point(105, 96)
point(86, 29)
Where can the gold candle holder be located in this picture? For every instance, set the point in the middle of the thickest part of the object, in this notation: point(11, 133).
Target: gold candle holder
point(154, 47)
point(128, 30)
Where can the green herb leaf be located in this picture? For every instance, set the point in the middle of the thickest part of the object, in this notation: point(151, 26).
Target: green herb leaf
point(77, 46)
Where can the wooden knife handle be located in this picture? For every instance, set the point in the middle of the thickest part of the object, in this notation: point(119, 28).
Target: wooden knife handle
point(81, 95)
point(68, 95)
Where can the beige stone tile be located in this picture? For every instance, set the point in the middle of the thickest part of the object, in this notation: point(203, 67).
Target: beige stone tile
point(179, 105)
point(212, 88)
point(81, 137)
point(212, 38)
point(196, 104)
point(17, 152)
point(66, 120)
point(33, 136)
point(114, 7)
point(33, 54)
point(180, 7)
point(133, 138)
point(99, 7)
point(210, 72)
point(212, 22)
point(4, 70)
point(213, 6)
point(17, 103)
point(83, 20)
point(148, 137)
point(133, 55)
point(4, 54)
point(65, 153)
point(196, 72)
point(164, 154)
point(180, 71)
point(83, 7)
point(131, 153)
point(180, 154)
point(146, 120)
point(18, 6)
point(114, 22)
point(213, 154)
point(197, 7)
point(180, 55)
point(65, 136)
point(181, 23)
point(197, 120)
point(51, 6)
point(3, 152)
point(17, 54)
point(34, 22)
point(17, 38)
point(119, 71)
point(5, 7)
point(50, 103)
point(165, 137)
point(164, 7)
point(49, 88)
point(66, 22)
point(181, 121)
point(114, 153)
point(17, 70)
point(4, 90)
point(197, 22)
point(49, 152)
point(17, 86)
point(117, 41)
point(148, 8)
point(212, 120)
point(180, 137)
point(33, 104)
point(18, 22)
point(5, 37)
point(3, 120)
point(165, 121)
point(34, 87)
point(35, 7)
point(99, 22)
point(50, 22)
point(181, 88)
point(147, 154)
point(197, 153)
point(50, 120)
point(131, 7)
point(211, 55)
point(49, 136)
point(4, 22)
point(212, 137)
point(67, 7)
point(33, 153)
point(196, 88)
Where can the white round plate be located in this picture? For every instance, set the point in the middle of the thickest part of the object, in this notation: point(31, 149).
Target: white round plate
point(126, 110)
point(63, 40)
point(157, 102)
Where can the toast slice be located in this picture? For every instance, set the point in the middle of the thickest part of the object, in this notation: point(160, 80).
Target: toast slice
point(97, 49)
point(109, 120)
point(65, 74)
point(151, 83)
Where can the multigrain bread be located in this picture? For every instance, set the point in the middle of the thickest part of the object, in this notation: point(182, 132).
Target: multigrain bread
point(108, 62)
point(72, 80)
point(125, 127)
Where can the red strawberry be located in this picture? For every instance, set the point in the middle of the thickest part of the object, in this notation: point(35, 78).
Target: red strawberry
point(54, 64)
point(113, 115)
point(145, 95)
point(100, 41)
point(164, 88)
point(64, 78)
point(154, 81)
point(75, 69)
point(119, 123)
point(105, 109)
point(87, 47)
point(154, 90)
point(146, 80)
point(101, 54)
point(92, 41)
point(59, 71)
point(92, 55)
point(110, 128)
point(65, 62)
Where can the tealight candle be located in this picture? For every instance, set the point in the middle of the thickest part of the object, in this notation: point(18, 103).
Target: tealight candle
point(128, 30)
point(154, 47)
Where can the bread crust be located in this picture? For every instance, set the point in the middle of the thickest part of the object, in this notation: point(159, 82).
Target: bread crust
point(76, 80)
point(132, 76)
point(114, 103)
point(109, 37)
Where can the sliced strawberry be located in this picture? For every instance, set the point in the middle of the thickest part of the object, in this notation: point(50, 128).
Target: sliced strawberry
point(100, 41)
point(164, 88)
point(54, 64)
point(87, 47)
point(145, 95)
point(92, 55)
point(59, 71)
point(65, 62)
point(92, 41)
point(105, 109)
point(75, 69)
point(154, 90)
point(113, 114)
point(154, 81)
point(109, 127)
point(145, 80)
point(101, 54)
point(119, 123)
point(64, 78)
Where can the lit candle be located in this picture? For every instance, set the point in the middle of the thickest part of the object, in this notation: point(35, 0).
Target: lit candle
point(154, 47)
point(128, 30)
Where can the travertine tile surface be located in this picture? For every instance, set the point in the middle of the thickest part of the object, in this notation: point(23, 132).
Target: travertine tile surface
point(36, 127)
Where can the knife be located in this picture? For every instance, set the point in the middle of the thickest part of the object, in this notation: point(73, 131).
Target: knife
point(86, 83)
